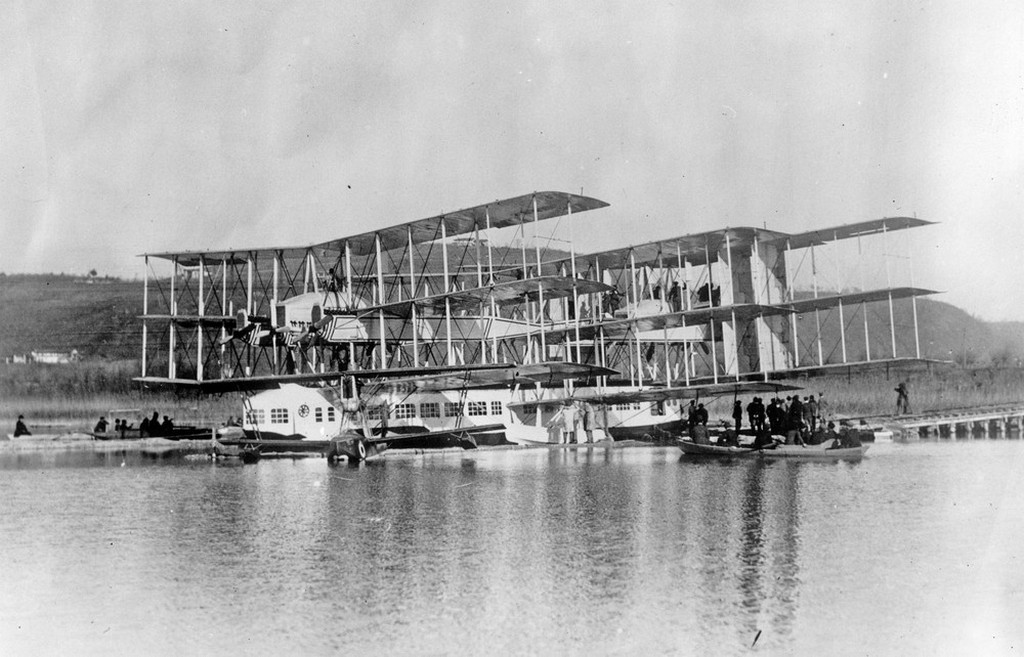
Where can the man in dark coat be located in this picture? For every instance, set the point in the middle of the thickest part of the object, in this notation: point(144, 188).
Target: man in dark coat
point(702, 415)
point(20, 429)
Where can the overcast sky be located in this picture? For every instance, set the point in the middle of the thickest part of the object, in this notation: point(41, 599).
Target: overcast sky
point(150, 126)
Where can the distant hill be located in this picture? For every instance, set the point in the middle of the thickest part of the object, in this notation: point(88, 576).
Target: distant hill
point(56, 312)
point(98, 317)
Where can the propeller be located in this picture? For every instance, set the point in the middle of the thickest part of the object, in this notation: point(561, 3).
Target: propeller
point(244, 326)
point(312, 331)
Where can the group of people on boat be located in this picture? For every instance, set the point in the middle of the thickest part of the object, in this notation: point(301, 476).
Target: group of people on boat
point(801, 421)
point(154, 427)
point(121, 426)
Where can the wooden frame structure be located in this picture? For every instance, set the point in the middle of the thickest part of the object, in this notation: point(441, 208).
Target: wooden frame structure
point(482, 286)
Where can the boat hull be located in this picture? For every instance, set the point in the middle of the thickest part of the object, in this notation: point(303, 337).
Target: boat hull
point(809, 452)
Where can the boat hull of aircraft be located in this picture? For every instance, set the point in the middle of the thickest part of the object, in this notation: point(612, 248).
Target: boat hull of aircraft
point(294, 412)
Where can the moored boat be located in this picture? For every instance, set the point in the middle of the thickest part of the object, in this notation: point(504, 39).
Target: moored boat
point(815, 452)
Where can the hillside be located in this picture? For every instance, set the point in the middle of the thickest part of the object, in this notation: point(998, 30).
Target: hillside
point(56, 312)
point(98, 317)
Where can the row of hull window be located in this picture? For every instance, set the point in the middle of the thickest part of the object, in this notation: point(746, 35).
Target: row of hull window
point(433, 409)
point(280, 415)
point(398, 412)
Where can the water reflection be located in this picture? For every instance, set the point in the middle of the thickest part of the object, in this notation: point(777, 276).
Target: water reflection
point(549, 551)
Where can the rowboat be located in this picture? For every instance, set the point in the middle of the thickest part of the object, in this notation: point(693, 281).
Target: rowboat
point(178, 433)
point(813, 452)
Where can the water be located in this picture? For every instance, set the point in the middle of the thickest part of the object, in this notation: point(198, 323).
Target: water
point(914, 550)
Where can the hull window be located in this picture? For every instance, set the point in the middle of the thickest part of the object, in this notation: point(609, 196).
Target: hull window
point(405, 411)
point(495, 408)
point(430, 409)
point(330, 414)
point(477, 409)
point(279, 416)
point(452, 409)
point(318, 414)
point(256, 416)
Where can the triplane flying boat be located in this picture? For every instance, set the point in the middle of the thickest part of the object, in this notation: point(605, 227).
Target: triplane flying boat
point(472, 322)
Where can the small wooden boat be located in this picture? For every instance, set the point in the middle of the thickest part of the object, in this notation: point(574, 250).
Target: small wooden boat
point(178, 433)
point(114, 435)
point(812, 452)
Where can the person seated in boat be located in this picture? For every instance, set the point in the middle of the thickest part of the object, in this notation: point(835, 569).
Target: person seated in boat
point(154, 424)
point(117, 426)
point(20, 429)
point(168, 426)
point(848, 438)
point(125, 426)
point(143, 427)
point(728, 437)
point(101, 426)
point(831, 436)
point(763, 439)
point(816, 437)
point(699, 434)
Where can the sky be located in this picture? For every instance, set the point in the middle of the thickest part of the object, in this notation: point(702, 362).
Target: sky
point(165, 126)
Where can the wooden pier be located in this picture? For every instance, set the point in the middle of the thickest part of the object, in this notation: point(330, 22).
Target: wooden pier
point(999, 421)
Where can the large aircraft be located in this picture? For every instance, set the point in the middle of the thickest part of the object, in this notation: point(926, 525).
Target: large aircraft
point(482, 322)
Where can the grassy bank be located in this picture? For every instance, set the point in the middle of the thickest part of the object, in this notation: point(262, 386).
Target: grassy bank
point(81, 392)
point(872, 393)
point(77, 394)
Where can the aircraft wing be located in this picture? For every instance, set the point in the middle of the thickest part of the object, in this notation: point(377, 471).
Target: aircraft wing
point(847, 231)
point(503, 293)
point(695, 249)
point(269, 381)
point(901, 364)
point(497, 214)
point(832, 301)
point(543, 373)
point(664, 394)
point(620, 327)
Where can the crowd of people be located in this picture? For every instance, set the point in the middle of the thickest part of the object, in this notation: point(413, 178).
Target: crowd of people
point(148, 426)
point(803, 421)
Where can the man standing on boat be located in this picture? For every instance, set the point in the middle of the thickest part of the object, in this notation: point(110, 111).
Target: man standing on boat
point(20, 429)
point(737, 414)
point(813, 413)
point(702, 415)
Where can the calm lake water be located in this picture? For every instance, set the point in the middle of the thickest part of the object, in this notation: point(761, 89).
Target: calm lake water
point(914, 550)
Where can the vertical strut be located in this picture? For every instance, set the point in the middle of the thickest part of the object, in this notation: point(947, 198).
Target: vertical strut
point(412, 301)
point(447, 290)
point(145, 310)
point(888, 285)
